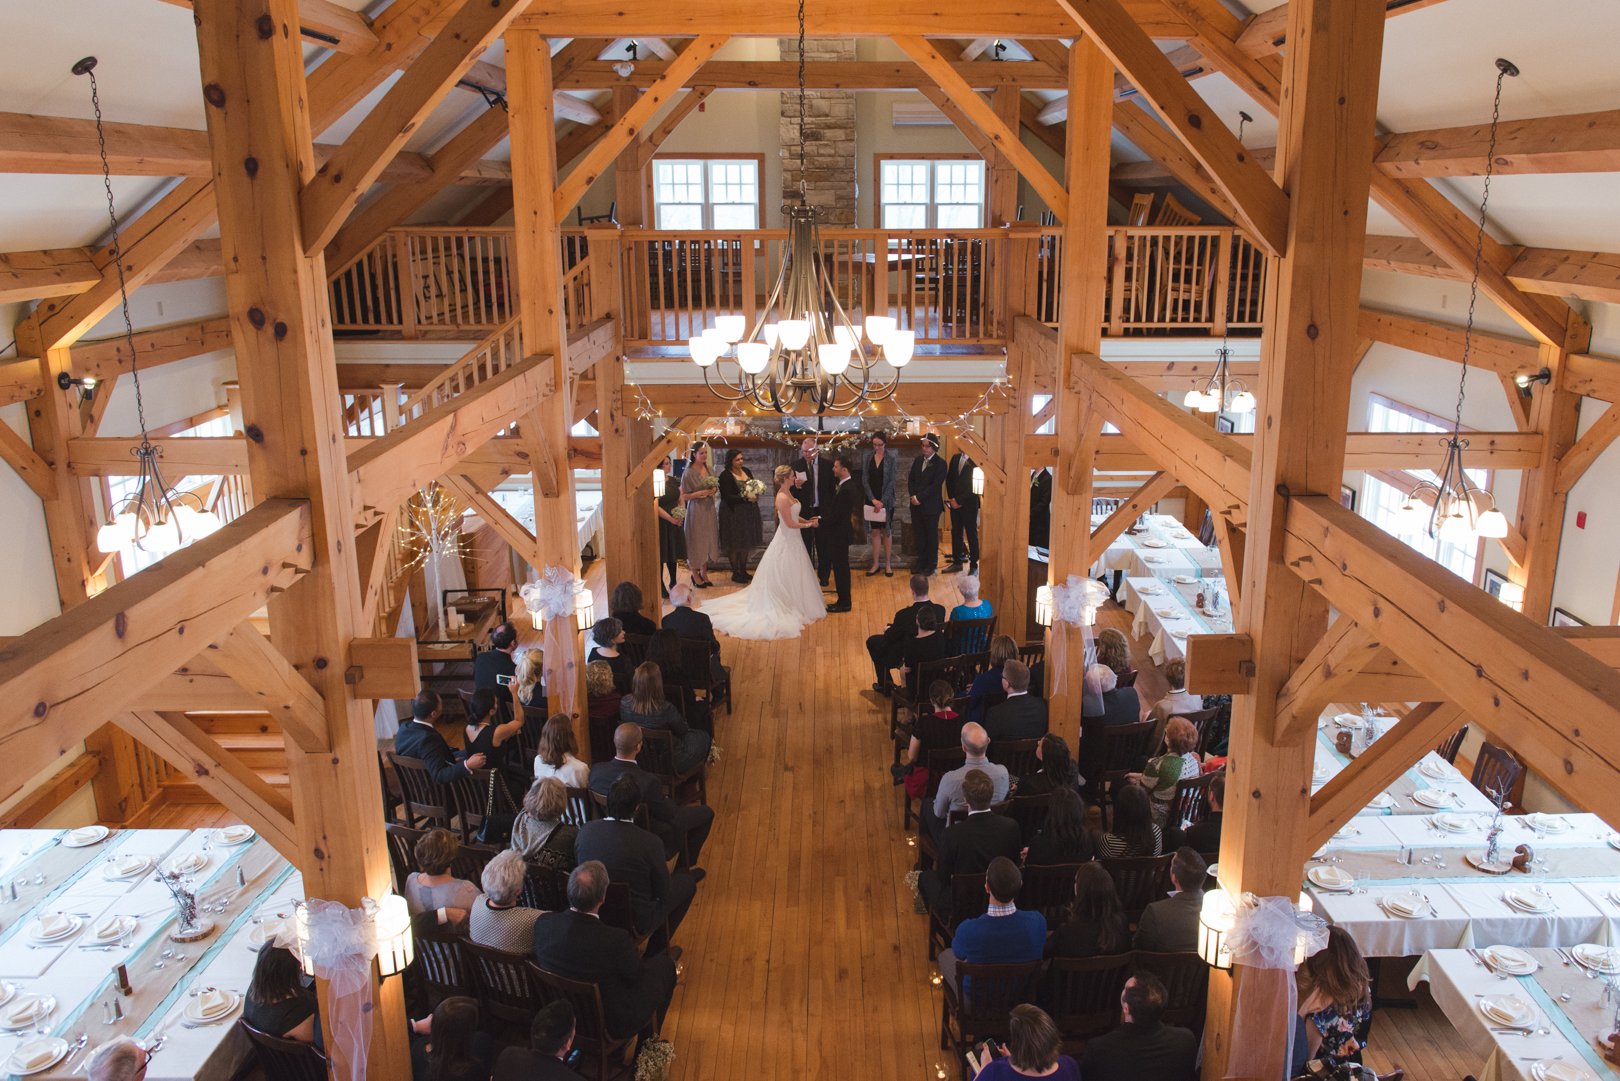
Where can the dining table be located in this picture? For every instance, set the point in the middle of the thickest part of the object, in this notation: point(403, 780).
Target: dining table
point(1158, 547)
point(1167, 610)
point(1547, 1008)
point(1432, 785)
point(89, 900)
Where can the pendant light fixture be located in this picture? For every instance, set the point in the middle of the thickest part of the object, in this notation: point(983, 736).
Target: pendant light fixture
point(156, 518)
point(1220, 392)
point(1461, 510)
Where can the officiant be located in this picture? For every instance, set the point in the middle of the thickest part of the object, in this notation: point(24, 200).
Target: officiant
point(740, 530)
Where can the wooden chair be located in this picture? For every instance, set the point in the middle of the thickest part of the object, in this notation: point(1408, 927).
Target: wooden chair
point(1029, 812)
point(900, 698)
point(1452, 744)
point(1049, 890)
point(1139, 881)
point(1124, 748)
point(1213, 733)
point(1173, 213)
point(1191, 802)
point(978, 1004)
point(1495, 770)
point(1127, 680)
point(1200, 719)
point(1033, 654)
point(973, 665)
point(1141, 207)
point(402, 853)
point(970, 636)
point(421, 797)
point(581, 807)
point(969, 901)
point(1186, 986)
point(544, 888)
point(590, 1025)
point(619, 910)
point(696, 673)
point(932, 731)
point(285, 1060)
point(940, 761)
point(470, 794)
point(470, 862)
point(443, 967)
point(390, 788)
point(1018, 755)
point(1082, 995)
point(634, 649)
point(507, 985)
point(657, 757)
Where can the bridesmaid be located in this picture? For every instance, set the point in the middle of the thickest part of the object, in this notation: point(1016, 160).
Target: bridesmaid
point(671, 537)
point(878, 468)
point(702, 523)
point(740, 529)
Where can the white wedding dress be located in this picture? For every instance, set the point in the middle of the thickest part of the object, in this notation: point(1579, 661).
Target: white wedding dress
point(785, 594)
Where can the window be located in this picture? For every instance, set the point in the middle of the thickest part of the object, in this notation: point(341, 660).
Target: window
point(215, 424)
point(706, 193)
point(930, 193)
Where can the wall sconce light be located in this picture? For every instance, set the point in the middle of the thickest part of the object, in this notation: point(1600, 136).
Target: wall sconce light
point(86, 386)
point(1215, 922)
point(978, 481)
point(1043, 605)
point(1526, 379)
point(396, 948)
point(584, 610)
point(659, 479)
point(1512, 595)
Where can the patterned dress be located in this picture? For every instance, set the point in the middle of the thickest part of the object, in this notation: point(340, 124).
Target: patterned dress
point(702, 523)
point(1339, 1043)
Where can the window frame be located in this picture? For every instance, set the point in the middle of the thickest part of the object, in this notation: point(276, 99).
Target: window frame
point(933, 206)
point(651, 189)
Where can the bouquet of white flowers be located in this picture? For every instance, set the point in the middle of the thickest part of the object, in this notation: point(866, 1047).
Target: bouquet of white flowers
point(679, 514)
point(710, 481)
point(752, 488)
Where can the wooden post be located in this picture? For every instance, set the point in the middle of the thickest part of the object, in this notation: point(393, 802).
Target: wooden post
point(1307, 357)
point(1555, 413)
point(390, 406)
point(1003, 174)
point(253, 82)
point(628, 190)
point(539, 267)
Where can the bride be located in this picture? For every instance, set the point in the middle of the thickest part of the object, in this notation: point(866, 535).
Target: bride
point(785, 594)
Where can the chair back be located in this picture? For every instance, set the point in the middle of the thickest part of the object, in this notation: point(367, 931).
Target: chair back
point(1173, 213)
point(508, 985)
point(1083, 993)
point(402, 853)
point(619, 908)
point(422, 798)
point(934, 732)
point(657, 755)
point(1139, 881)
point(1018, 755)
point(1186, 986)
point(986, 994)
point(470, 862)
point(471, 796)
point(1127, 680)
point(285, 1060)
point(581, 808)
point(969, 901)
point(443, 966)
point(1191, 801)
point(1495, 770)
point(1213, 733)
point(970, 636)
point(974, 665)
point(1124, 746)
point(1029, 812)
point(528, 738)
point(634, 650)
point(1032, 653)
point(1453, 743)
point(1049, 890)
point(1141, 205)
point(544, 888)
point(590, 1025)
point(941, 761)
point(695, 670)
point(1200, 719)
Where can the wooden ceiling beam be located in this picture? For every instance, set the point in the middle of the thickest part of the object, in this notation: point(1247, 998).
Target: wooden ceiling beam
point(1160, 144)
point(1215, 31)
point(190, 455)
point(1577, 143)
point(247, 656)
point(690, 100)
point(328, 25)
point(107, 358)
point(1502, 355)
point(822, 75)
point(1265, 33)
point(1053, 135)
point(54, 272)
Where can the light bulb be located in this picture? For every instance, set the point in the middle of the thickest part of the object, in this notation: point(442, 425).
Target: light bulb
point(703, 350)
point(730, 327)
point(879, 327)
point(1511, 594)
point(109, 538)
point(1493, 523)
point(834, 357)
point(1409, 517)
point(1244, 402)
point(753, 357)
point(771, 333)
point(898, 347)
point(795, 332)
point(1193, 399)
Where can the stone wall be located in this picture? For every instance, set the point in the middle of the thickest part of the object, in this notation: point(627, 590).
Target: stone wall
point(829, 137)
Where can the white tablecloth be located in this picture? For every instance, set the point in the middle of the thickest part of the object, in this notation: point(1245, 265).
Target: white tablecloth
point(1170, 632)
point(1163, 549)
point(1468, 799)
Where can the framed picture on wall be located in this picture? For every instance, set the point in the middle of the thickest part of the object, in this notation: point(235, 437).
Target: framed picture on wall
point(1494, 581)
point(1347, 496)
point(1562, 618)
point(1225, 424)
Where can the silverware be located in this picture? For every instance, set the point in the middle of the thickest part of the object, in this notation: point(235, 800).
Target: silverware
point(77, 1046)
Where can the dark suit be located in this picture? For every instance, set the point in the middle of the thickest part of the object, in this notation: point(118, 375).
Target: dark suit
point(1019, 717)
point(925, 483)
point(815, 497)
point(965, 515)
point(578, 946)
point(417, 740)
point(636, 858)
point(888, 649)
point(1171, 925)
point(837, 533)
point(1040, 509)
point(1204, 836)
point(690, 624)
point(967, 849)
point(672, 824)
point(489, 664)
point(527, 1064)
point(636, 623)
point(1134, 1052)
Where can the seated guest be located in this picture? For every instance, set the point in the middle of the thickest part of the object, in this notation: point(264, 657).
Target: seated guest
point(1134, 833)
point(526, 678)
point(1022, 715)
point(577, 945)
point(1063, 837)
point(494, 741)
point(624, 605)
point(692, 625)
point(968, 847)
point(119, 1059)
point(557, 747)
point(1095, 925)
point(1161, 775)
point(1114, 650)
point(664, 650)
point(646, 706)
point(602, 705)
point(941, 696)
point(452, 1048)
point(927, 645)
point(1002, 650)
point(1057, 769)
point(609, 635)
point(1033, 1041)
point(494, 668)
point(551, 1037)
point(1003, 935)
point(497, 920)
point(1141, 1048)
point(886, 649)
point(1205, 835)
point(971, 607)
point(1171, 925)
point(433, 888)
point(417, 738)
point(974, 745)
point(1103, 706)
point(539, 834)
point(277, 1002)
point(676, 826)
point(1178, 702)
point(636, 857)
point(1335, 1002)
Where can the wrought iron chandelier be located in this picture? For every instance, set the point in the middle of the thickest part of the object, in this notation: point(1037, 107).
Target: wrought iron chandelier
point(1461, 510)
point(804, 346)
point(1221, 393)
point(156, 518)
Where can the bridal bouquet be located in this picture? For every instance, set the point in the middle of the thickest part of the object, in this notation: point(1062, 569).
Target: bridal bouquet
point(678, 513)
point(752, 488)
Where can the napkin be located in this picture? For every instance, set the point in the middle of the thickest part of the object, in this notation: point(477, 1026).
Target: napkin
point(1603, 957)
point(34, 1056)
point(127, 865)
point(234, 834)
point(1405, 904)
point(1548, 823)
point(19, 1013)
point(1511, 959)
point(85, 836)
point(1331, 877)
point(1530, 899)
point(1558, 1070)
point(54, 924)
point(1165, 612)
point(1454, 822)
point(1506, 1009)
point(109, 927)
point(212, 1003)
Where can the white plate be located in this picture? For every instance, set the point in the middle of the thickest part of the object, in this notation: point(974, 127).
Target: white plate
point(47, 1005)
point(1347, 831)
point(264, 932)
point(1319, 772)
point(1152, 542)
point(1438, 798)
point(1529, 900)
point(1184, 579)
point(1604, 959)
point(1331, 878)
point(7, 992)
point(1511, 961)
point(124, 923)
point(188, 864)
point(1506, 1010)
point(1553, 1069)
point(1454, 823)
point(233, 835)
point(1167, 613)
point(1349, 720)
point(193, 1011)
point(1548, 823)
point(137, 865)
point(81, 838)
point(15, 1061)
point(1381, 801)
point(74, 923)
point(1432, 767)
point(1404, 905)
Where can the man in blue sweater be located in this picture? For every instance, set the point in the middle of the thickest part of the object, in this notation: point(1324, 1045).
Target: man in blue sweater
point(1004, 935)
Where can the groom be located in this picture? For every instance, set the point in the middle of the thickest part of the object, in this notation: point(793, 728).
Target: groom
point(837, 531)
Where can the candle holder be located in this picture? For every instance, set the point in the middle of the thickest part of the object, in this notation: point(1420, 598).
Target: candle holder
point(187, 928)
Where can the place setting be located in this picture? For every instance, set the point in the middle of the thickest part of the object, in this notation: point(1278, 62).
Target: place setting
point(122, 867)
point(1531, 899)
point(85, 836)
point(26, 1011)
point(188, 863)
point(1410, 904)
point(208, 1006)
point(1437, 799)
point(231, 836)
point(1509, 1013)
point(37, 1055)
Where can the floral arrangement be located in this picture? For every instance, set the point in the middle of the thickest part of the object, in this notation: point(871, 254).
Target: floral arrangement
point(710, 481)
point(753, 488)
point(678, 513)
point(185, 899)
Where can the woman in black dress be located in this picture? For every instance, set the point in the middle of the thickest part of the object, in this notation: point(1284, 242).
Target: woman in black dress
point(277, 1002)
point(486, 735)
point(740, 530)
point(671, 534)
point(609, 636)
point(452, 1048)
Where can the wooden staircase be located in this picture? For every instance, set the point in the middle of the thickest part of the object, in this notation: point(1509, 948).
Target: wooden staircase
point(254, 738)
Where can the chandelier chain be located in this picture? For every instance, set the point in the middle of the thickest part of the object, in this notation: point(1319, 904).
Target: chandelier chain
point(804, 191)
point(1479, 245)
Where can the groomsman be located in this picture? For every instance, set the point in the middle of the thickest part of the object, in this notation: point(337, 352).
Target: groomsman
point(964, 514)
point(814, 490)
point(927, 503)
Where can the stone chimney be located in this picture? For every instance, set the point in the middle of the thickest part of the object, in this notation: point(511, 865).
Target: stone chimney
point(829, 136)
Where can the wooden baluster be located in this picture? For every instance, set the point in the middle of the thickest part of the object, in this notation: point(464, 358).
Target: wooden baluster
point(1221, 255)
point(390, 405)
point(1120, 255)
point(410, 290)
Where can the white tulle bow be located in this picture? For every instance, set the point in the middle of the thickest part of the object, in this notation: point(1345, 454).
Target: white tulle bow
point(1071, 601)
point(1270, 936)
point(553, 593)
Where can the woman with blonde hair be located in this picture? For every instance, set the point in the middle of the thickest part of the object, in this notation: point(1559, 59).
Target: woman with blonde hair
point(1114, 650)
point(602, 700)
point(556, 757)
point(526, 686)
point(539, 834)
point(784, 595)
point(646, 705)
